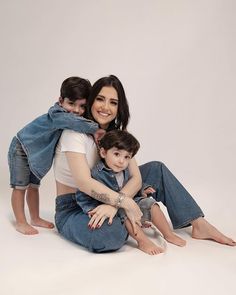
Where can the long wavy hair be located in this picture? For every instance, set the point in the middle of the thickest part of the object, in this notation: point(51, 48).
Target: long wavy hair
point(123, 115)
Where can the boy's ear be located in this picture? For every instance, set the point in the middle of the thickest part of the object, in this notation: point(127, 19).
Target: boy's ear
point(102, 153)
point(60, 100)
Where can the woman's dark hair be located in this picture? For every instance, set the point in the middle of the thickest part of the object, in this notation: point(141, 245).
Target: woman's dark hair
point(75, 88)
point(123, 115)
point(121, 140)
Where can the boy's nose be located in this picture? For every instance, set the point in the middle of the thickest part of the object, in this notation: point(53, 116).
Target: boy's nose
point(77, 110)
point(121, 160)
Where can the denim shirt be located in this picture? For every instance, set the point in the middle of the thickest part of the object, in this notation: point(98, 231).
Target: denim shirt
point(104, 175)
point(39, 138)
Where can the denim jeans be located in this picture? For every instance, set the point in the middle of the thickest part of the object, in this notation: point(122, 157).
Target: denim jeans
point(72, 224)
point(181, 207)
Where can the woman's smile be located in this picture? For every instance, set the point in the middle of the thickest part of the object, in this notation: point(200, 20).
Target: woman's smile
point(105, 106)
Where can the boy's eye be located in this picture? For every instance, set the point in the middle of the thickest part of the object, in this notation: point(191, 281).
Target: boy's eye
point(116, 154)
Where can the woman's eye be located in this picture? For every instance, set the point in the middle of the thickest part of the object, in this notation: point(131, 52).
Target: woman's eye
point(115, 103)
point(99, 98)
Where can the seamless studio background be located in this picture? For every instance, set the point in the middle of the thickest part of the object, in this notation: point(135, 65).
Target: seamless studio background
point(176, 60)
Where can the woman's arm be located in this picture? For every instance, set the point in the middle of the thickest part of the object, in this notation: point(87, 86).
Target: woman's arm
point(81, 173)
point(135, 182)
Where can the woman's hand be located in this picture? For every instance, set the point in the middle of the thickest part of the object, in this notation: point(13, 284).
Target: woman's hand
point(98, 135)
point(133, 212)
point(99, 214)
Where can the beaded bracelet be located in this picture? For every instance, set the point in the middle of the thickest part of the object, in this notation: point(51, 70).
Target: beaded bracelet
point(120, 198)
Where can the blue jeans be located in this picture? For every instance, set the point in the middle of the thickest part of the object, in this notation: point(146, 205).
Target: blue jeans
point(181, 207)
point(72, 224)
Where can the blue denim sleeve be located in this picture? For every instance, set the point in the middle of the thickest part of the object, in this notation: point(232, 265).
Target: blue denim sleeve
point(64, 120)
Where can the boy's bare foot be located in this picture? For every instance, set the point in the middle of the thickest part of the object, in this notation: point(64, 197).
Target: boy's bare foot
point(26, 229)
point(202, 229)
point(42, 223)
point(149, 247)
point(174, 239)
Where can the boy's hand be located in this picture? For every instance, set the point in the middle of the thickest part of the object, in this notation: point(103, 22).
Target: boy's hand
point(98, 135)
point(148, 191)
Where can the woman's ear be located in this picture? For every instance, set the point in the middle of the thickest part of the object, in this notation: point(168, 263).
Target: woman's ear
point(102, 152)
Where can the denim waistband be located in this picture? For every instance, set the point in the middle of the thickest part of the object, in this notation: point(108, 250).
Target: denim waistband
point(65, 199)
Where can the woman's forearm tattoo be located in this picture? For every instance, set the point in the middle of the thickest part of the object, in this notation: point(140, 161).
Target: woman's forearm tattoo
point(101, 197)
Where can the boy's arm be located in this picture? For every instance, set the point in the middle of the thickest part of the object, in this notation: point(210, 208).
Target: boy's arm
point(80, 171)
point(135, 182)
point(64, 120)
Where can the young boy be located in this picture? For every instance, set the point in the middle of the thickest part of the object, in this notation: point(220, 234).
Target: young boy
point(31, 151)
point(116, 149)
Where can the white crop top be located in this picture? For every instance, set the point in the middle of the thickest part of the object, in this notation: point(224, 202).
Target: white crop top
point(72, 141)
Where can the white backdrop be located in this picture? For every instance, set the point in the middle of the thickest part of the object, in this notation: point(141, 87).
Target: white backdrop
point(176, 60)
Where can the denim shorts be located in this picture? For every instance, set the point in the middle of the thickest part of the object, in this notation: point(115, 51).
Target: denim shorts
point(20, 175)
point(145, 205)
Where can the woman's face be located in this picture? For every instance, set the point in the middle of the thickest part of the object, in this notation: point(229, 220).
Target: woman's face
point(105, 106)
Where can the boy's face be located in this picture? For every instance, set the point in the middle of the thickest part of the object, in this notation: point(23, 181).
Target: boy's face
point(116, 159)
point(77, 107)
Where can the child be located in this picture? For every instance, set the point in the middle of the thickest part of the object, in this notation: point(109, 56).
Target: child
point(31, 151)
point(116, 149)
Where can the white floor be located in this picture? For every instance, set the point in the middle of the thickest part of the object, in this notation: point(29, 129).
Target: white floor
point(47, 264)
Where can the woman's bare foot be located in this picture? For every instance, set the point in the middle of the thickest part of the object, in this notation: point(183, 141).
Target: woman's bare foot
point(26, 229)
point(174, 239)
point(202, 229)
point(149, 247)
point(42, 223)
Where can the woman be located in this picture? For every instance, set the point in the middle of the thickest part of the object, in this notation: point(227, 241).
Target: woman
point(76, 154)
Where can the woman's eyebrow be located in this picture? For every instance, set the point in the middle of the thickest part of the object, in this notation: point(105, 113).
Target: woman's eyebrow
point(102, 96)
point(114, 99)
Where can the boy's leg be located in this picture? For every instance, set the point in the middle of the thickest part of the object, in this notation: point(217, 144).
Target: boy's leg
point(32, 198)
point(159, 220)
point(18, 202)
point(181, 207)
point(144, 244)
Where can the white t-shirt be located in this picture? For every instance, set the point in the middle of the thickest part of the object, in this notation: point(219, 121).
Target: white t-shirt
point(72, 141)
point(120, 179)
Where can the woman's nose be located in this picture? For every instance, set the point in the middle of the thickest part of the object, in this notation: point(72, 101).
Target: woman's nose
point(105, 105)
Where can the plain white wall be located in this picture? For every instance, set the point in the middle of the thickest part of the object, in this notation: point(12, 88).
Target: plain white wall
point(176, 60)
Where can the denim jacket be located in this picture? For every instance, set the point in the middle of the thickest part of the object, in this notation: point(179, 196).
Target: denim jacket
point(104, 175)
point(39, 138)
